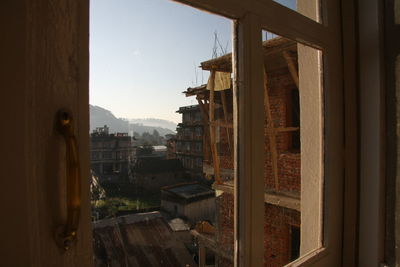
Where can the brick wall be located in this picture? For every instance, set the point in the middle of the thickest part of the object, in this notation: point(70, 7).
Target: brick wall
point(224, 219)
point(276, 229)
point(280, 88)
point(277, 234)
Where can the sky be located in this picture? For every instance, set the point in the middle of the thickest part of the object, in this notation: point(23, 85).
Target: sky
point(145, 53)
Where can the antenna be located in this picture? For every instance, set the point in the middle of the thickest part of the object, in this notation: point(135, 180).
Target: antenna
point(195, 71)
point(218, 45)
point(215, 47)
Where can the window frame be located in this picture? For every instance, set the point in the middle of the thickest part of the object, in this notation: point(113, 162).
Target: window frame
point(251, 17)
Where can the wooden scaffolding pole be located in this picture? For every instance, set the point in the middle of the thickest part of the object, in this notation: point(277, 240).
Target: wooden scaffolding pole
point(271, 132)
point(206, 131)
point(292, 68)
point(213, 128)
point(228, 132)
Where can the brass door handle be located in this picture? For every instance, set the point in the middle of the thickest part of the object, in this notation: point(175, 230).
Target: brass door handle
point(67, 233)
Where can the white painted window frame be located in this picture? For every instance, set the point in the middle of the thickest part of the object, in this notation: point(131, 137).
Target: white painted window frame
point(251, 17)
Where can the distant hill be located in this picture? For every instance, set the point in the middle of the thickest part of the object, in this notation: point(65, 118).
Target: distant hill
point(100, 116)
point(155, 122)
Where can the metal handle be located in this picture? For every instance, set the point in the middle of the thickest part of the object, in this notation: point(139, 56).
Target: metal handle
point(67, 234)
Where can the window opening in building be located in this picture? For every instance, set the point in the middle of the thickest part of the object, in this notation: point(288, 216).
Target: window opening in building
point(157, 154)
point(294, 242)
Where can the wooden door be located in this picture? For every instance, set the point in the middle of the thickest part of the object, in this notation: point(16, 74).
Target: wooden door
point(44, 54)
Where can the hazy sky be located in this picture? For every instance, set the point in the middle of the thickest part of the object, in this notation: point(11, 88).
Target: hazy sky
point(143, 54)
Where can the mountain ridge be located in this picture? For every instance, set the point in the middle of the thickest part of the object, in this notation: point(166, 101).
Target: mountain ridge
point(100, 116)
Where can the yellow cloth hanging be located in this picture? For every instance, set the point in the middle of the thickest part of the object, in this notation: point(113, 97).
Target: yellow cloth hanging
point(222, 81)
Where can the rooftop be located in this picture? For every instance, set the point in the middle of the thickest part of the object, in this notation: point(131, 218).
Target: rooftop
point(189, 191)
point(143, 239)
point(188, 108)
point(157, 165)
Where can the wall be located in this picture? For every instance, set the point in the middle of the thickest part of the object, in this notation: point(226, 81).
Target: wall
point(277, 240)
point(196, 211)
point(201, 210)
point(224, 225)
point(173, 208)
point(277, 234)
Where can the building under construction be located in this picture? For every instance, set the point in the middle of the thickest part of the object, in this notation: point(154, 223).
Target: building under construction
point(282, 153)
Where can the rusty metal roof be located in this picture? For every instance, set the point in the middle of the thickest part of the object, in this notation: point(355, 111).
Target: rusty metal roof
point(143, 240)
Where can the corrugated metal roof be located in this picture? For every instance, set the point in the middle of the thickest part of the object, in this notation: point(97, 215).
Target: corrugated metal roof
point(146, 242)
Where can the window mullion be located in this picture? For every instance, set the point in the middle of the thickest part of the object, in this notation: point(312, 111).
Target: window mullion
point(249, 134)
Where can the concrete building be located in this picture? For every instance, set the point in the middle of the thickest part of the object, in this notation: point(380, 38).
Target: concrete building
point(111, 153)
point(190, 140)
point(152, 173)
point(193, 202)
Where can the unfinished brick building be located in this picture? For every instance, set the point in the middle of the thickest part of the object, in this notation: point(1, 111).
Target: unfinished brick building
point(282, 153)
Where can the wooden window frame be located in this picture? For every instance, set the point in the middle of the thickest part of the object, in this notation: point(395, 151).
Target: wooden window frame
point(250, 18)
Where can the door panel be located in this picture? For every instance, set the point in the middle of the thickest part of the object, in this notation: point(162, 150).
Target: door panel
point(46, 52)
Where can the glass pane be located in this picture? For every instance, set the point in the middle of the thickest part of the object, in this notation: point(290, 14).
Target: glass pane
point(157, 156)
point(293, 149)
point(308, 8)
point(216, 104)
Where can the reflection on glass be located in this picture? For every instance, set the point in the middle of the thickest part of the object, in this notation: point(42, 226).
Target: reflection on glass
point(287, 174)
point(308, 8)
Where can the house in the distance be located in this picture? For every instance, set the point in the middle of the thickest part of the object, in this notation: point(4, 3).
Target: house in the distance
point(153, 173)
point(111, 153)
point(190, 201)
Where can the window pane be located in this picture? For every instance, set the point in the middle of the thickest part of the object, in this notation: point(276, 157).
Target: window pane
point(308, 8)
point(158, 154)
point(215, 100)
point(293, 149)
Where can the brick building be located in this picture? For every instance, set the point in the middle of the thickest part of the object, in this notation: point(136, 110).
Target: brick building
point(282, 153)
point(111, 153)
point(189, 141)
